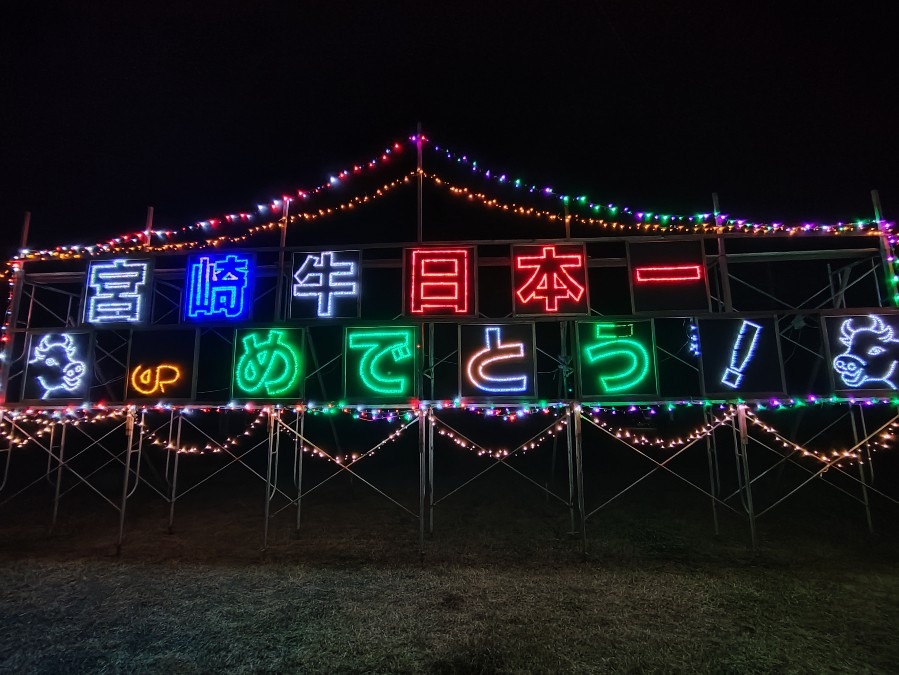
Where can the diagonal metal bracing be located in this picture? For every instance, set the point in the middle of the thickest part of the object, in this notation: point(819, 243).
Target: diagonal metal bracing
point(114, 457)
point(65, 463)
point(348, 467)
point(235, 459)
point(503, 460)
point(663, 465)
point(60, 465)
point(831, 465)
point(789, 457)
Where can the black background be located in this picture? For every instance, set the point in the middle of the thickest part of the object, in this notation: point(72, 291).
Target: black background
point(203, 108)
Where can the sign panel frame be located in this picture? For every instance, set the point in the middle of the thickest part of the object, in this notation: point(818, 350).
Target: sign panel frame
point(520, 308)
point(838, 384)
point(409, 260)
point(531, 391)
point(86, 361)
point(351, 396)
point(743, 346)
point(667, 273)
point(292, 392)
point(584, 394)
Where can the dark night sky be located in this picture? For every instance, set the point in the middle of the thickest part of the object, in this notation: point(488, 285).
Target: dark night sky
point(203, 108)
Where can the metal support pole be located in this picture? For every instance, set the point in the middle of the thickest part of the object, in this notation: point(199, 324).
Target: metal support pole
point(173, 496)
point(861, 469)
point(60, 460)
point(743, 458)
point(711, 450)
point(420, 174)
point(148, 229)
point(268, 475)
point(281, 246)
point(422, 472)
point(579, 455)
point(8, 451)
point(129, 431)
point(725, 276)
point(300, 426)
point(569, 446)
point(430, 472)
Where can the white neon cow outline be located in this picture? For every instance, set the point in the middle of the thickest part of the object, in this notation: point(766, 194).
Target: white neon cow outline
point(852, 366)
point(72, 373)
point(308, 287)
point(495, 351)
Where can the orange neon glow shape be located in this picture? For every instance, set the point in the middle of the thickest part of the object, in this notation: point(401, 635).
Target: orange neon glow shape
point(668, 274)
point(148, 381)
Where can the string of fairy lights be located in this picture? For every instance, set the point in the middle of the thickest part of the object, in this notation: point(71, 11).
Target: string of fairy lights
point(40, 424)
point(702, 221)
point(605, 215)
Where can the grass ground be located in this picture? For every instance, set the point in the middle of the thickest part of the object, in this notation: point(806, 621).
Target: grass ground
point(502, 587)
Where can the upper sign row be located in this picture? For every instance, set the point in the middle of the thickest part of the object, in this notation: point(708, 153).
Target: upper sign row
point(547, 279)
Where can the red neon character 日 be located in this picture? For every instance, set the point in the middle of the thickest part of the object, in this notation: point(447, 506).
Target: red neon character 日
point(439, 281)
point(550, 279)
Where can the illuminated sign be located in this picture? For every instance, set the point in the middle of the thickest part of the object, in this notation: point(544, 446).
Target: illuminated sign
point(325, 285)
point(268, 363)
point(667, 276)
point(741, 354)
point(57, 367)
point(149, 380)
point(117, 291)
point(497, 360)
point(161, 365)
point(549, 279)
point(380, 363)
point(617, 360)
point(740, 357)
point(439, 281)
point(865, 351)
point(219, 287)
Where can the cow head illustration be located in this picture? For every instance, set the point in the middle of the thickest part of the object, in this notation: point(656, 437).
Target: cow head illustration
point(871, 356)
point(60, 370)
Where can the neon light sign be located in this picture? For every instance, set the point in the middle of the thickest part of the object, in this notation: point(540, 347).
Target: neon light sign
point(497, 360)
point(161, 364)
point(550, 279)
point(116, 291)
point(439, 281)
point(268, 363)
point(742, 353)
point(740, 356)
point(380, 362)
point(330, 279)
point(870, 354)
point(57, 367)
point(219, 286)
point(150, 380)
point(668, 274)
point(617, 358)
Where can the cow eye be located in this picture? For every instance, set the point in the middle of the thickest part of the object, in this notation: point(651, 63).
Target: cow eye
point(874, 351)
point(52, 362)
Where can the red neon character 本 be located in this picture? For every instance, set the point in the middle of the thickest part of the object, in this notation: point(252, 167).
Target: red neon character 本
point(552, 278)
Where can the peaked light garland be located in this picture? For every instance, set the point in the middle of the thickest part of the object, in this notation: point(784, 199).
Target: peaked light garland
point(697, 221)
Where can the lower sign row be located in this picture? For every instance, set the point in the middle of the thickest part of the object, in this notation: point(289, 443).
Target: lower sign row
point(616, 360)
